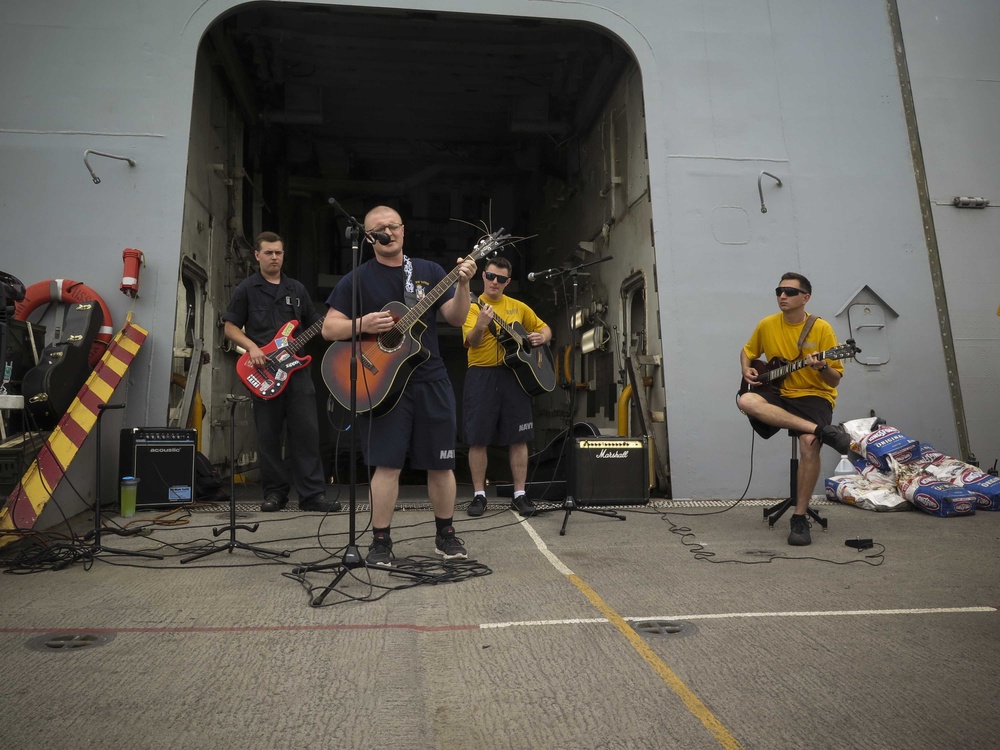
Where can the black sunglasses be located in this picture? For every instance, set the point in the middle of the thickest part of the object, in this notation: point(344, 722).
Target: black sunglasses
point(791, 291)
point(499, 278)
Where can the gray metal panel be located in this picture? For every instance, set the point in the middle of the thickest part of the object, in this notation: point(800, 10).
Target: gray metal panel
point(808, 84)
point(954, 63)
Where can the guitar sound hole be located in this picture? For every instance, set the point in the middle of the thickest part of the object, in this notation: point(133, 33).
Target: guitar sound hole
point(390, 340)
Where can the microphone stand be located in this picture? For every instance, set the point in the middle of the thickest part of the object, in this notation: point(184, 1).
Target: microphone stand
point(233, 542)
point(352, 556)
point(97, 546)
point(570, 503)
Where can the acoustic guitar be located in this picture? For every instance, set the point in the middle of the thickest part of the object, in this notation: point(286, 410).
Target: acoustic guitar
point(532, 365)
point(388, 359)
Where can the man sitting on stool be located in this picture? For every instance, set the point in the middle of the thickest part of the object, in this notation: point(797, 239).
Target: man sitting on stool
point(804, 403)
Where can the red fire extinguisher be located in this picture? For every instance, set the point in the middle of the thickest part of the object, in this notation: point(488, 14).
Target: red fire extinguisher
point(132, 259)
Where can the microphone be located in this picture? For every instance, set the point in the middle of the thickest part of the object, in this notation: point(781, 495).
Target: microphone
point(542, 274)
point(381, 238)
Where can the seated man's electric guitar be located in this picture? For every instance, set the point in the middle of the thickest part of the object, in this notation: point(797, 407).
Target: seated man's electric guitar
point(771, 373)
point(282, 360)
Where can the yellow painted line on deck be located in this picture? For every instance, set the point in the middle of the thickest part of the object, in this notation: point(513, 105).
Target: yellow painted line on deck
point(675, 683)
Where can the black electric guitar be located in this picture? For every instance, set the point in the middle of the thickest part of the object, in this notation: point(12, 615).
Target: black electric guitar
point(388, 359)
point(532, 365)
point(771, 373)
point(270, 379)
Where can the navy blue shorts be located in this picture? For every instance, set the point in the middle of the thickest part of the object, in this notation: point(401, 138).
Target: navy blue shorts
point(814, 408)
point(422, 424)
point(495, 409)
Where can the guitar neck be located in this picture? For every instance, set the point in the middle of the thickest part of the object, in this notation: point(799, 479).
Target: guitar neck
point(304, 337)
point(780, 372)
point(504, 326)
point(415, 313)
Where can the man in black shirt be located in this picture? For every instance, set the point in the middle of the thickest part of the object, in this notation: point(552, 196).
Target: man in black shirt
point(261, 304)
point(421, 427)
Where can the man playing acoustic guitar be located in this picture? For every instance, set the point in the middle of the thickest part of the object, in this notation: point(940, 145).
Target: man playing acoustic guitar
point(496, 408)
point(422, 423)
point(806, 397)
point(262, 304)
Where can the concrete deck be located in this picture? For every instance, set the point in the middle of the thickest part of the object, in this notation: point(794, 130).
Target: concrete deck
point(776, 647)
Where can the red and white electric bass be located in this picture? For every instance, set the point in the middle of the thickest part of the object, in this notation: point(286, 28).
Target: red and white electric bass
point(270, 379)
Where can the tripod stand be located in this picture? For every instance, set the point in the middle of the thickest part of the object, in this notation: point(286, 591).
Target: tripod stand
point(233, 543)
point(352, 555)
point(570, 504)
point(97, 547)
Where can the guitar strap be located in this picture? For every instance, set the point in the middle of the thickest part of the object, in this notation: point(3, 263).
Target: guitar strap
point(810, 320)
point(409, 290)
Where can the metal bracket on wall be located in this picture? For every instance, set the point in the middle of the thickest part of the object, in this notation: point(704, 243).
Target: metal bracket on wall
point(645, 421)
point(191, 386)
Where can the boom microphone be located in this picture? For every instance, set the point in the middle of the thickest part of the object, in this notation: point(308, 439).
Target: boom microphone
point(381, 238)
point(542, 274)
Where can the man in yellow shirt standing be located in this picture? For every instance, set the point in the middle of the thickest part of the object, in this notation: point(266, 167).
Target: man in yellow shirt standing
point(496, 409)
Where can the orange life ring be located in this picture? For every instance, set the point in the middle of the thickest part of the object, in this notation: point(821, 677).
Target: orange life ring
point(66, 290)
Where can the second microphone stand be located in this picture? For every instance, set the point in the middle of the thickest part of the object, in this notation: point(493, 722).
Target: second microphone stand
point(571, 503)
point(233, 543)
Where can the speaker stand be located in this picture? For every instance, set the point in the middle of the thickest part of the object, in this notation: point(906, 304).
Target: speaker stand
point(97, 547)
point(569, 505)
point(233, 542)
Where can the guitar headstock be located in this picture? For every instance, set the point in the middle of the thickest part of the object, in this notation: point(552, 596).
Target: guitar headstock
point(843, 351)
point(491, 242)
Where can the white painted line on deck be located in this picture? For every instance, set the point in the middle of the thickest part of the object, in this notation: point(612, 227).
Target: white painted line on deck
point(692, 702)
point(542, 547)
point(739, 615)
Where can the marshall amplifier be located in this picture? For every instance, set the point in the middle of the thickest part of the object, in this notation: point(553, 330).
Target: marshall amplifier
point(162, 459)
point(609, 471)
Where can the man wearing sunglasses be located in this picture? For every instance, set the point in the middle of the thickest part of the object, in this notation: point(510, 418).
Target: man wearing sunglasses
point(804, 403)
point(496, 410)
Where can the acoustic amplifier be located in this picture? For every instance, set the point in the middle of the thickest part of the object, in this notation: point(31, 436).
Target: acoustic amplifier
point(162, 459)
point(609, 471)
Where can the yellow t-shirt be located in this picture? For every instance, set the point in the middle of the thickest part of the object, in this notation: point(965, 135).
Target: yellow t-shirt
point(773, 337)
point(490, 353)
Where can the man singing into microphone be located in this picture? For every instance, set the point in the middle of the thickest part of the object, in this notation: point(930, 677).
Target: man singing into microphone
point(422, 424)
point(496, 410)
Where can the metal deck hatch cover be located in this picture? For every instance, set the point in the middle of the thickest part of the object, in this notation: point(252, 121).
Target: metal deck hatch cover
point(663, 628)
point(69, 642)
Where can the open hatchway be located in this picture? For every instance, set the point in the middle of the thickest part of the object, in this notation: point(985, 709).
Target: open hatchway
point(463, 123)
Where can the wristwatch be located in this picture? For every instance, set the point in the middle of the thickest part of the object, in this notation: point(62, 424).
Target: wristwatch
point(823, 368)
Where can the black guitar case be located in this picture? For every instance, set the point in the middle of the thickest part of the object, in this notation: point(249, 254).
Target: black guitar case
point(50, 387)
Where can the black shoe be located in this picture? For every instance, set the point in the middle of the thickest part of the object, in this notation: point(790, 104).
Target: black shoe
point(319, 504)
point(478, 506)
point(836, 437)
point(449, 546)
point(272, 503)
point(800, 532)
point(380, 550)
point(523, 506)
